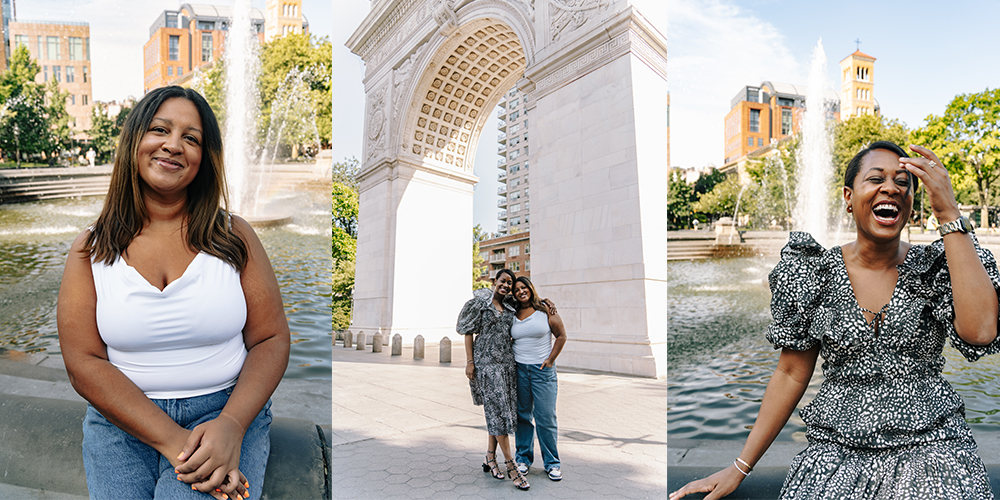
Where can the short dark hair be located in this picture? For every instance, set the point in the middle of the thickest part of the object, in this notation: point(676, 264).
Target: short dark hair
point(854, 166)
point(505, 270)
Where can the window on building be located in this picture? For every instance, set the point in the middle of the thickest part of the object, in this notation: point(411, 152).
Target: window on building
point(57, 73)
point(760, 142)
point(525, 218)
point(525, 192)
point(527, 265)
point(84, 74)
point(52, 48)
point(527, 248)
point(784, 101)
point(526, 167)
point(525, 123)
point(514, 128)
point(515, 195)
point(206, 47)
point(754, 120)
point(45, 72)
point(170, 71)
point(513, 115)
point(750, 142)
point(20, 40)
point(514, 266)
point(514, 208)
point(514, 251)
point(180, 71)
point(526, 207)
point(786, 121)
point(171, 20)
point(86, 100)
point(206, 25)
point(75, 48)
point(515, 182)
point(70, 74)
point(515, 221)
point(72, 100)
point(86, 44)
point(513, 154)
point(175, 47)
point(514, 169)
point(514, 103)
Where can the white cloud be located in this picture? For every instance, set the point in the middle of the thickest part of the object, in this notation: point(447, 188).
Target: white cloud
point(715, 49)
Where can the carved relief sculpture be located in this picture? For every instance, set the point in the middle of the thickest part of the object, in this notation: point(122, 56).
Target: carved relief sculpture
point(566, 16)
point(376, 123)
point(446, 17)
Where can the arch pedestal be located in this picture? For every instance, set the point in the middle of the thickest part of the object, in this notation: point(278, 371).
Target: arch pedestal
point(595, 75)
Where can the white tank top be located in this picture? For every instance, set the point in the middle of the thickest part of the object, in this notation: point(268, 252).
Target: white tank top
point(181, 342)
point(532, 338)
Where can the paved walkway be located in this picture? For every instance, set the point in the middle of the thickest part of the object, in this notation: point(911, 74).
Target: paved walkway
point(408, 429)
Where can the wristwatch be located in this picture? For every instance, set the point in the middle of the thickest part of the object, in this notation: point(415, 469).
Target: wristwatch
point(962, 225)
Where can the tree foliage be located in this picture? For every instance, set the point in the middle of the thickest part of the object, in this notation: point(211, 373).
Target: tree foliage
point(306, 54)
point(103, 133)
point(966, 137)
point(857, 133)
point(344, 241)
point(478, 262)
point(678, 201)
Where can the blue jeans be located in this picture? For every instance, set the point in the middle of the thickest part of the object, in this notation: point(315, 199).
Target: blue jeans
point(118, 465)
point(536, 397)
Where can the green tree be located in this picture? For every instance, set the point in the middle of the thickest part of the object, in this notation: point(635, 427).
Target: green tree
point(21, 71)
point(59, 120)
point(24, 127)
point(305, 54)
point(103, 133)
point(478, 261)
point(721, 200)
point(678, 202)
point(967, 140)
point(210, 82)
point(857, 133)
point(344, 241)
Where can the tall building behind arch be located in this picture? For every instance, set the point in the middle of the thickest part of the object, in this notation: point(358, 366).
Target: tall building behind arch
point(857, 85)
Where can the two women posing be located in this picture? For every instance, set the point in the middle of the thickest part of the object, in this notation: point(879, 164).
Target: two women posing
point(511, 371)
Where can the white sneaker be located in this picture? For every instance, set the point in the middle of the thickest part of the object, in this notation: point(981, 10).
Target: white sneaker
point(522, 468)
point(555, 474)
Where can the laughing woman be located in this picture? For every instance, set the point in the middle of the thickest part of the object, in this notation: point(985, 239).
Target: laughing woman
point(885, 423)
point(490, 368)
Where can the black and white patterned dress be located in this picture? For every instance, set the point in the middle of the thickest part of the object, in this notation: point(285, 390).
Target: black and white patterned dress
point(885, 423)
point(494, 385)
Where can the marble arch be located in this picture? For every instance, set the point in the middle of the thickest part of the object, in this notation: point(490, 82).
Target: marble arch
point(595, 73)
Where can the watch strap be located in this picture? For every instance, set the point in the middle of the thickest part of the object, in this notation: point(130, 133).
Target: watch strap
point(961, 224)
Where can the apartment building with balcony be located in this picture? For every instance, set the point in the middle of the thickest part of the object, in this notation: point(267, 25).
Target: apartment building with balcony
point(512, 251)
point(512, 146)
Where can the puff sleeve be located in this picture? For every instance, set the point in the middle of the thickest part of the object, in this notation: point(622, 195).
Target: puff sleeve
point(943, 299)
point(795, 287)
point(470, 319)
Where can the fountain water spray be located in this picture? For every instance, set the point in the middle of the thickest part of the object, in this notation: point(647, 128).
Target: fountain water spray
point(242, 105)
point(814, 157)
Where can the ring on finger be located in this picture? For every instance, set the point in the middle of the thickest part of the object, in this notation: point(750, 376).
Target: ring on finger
point(932, 164)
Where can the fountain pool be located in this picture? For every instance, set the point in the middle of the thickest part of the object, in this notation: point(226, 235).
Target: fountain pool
point(720, 362)
point(35, 236)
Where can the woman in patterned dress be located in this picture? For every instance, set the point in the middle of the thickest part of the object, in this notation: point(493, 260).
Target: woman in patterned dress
point(885, 423)
point(491, 370)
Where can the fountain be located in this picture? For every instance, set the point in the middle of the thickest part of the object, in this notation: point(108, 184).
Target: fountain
point(245, 174)
point(815, 160)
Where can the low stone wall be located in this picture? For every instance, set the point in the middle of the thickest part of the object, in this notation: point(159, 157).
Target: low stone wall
point(28, 184)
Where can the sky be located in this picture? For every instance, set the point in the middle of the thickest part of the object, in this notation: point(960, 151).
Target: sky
point(926, 53)
point(120, 28)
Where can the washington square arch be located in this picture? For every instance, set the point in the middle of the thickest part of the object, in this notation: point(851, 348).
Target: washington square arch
point(595, 74)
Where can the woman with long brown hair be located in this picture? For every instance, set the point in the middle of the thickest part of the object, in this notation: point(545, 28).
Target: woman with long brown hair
point(170, 319)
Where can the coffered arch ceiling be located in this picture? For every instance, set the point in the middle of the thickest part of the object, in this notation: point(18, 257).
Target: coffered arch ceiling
point(460, 86)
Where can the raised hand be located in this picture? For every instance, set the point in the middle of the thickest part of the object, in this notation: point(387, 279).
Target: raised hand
point(928, 168)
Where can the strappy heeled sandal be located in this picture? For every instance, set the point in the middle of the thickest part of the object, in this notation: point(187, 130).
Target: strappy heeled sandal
point(515, 475)
point(494, 469)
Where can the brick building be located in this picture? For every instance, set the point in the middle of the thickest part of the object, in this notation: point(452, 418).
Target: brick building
point(512, 251)
point(62, 51)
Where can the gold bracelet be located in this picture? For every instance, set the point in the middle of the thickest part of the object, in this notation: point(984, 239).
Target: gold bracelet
point(741, 461)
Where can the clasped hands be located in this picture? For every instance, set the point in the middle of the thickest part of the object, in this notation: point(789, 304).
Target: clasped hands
point(210, 458)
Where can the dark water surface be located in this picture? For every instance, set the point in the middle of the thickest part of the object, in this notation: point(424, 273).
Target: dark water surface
point(720, 363)
point(35, 237)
